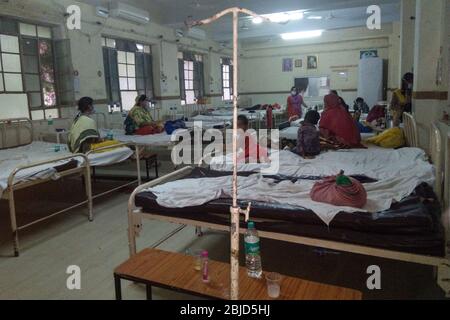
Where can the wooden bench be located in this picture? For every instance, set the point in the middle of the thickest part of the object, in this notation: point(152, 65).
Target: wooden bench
point(174, 271)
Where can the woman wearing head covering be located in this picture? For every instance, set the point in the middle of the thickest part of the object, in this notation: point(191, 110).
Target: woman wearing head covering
point(401, 98)
point(83, 131)
point(139, 120)
point(294, 105)
point(338, 125)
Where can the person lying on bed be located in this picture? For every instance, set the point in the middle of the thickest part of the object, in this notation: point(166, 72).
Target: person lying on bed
point(139, 120)
point(337, 125)
point(252, 148)
point(308, 137)
point(83, 131)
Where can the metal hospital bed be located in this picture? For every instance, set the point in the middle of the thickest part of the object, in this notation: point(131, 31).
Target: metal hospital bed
point(441, 264)
point(27, 174)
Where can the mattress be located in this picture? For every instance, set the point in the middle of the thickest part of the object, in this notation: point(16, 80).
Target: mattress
point(39, 151)
point(411, 225)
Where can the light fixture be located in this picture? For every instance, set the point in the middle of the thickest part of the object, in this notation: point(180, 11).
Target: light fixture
point(301, 35)
point(314, 17)
point(257, 20)
point(281, 17)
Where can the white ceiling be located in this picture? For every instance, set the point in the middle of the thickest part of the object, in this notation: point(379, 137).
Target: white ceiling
point(337, 14)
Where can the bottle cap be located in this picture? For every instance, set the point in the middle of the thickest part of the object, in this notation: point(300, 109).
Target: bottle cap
point(251, 225)
point(205, 254)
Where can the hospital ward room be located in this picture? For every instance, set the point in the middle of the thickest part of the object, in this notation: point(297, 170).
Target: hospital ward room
point(197, 150)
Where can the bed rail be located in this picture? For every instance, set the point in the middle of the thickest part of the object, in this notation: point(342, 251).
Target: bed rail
point(83, 169)
point(135, 225)
point(411, 135)
point(19, 124)
point(436, 159)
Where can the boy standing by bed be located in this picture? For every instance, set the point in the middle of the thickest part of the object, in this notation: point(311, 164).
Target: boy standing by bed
point(308, 136)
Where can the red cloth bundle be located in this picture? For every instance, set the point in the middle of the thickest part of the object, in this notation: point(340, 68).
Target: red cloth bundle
point(340, 191)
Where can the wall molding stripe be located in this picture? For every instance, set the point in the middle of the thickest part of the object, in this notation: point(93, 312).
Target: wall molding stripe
point(430, 95)
point(167, 98)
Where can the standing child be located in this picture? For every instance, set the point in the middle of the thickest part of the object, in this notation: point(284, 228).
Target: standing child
point(308, 137)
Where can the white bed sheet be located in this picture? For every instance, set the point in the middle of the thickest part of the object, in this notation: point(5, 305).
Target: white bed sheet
point(41, 151)
point(153, 140)
point(206, 124)
point(398, 173)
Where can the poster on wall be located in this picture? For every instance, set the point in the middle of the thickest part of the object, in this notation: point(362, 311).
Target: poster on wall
point(298, 63)
point(312, 62)
point(368, 54)
point(287, 64)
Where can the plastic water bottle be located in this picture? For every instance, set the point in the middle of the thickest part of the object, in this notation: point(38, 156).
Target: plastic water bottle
point(51, 128)
point(252, 252)
point(110, 135)
point(205, 267)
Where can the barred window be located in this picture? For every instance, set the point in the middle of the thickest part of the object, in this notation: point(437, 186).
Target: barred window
point(191, 77)
point(128, 72)
point(227, 78)
point(27, 71)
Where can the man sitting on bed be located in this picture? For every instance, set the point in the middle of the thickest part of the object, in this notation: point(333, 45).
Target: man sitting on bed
point(252, 148)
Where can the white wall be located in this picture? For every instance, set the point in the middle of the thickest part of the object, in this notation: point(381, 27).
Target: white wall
point(262, 79)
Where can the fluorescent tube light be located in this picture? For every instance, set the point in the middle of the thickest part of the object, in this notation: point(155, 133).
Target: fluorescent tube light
point(301, 35)
point(281, 17)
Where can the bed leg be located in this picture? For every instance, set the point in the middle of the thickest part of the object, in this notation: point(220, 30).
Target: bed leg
point(15, 231)
point(198, 231)
point(138, 165)
point(134, 227)
point(443, 278)
point(88, 189)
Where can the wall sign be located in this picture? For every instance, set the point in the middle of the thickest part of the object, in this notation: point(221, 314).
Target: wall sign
point(287, 64)
point(368, 54)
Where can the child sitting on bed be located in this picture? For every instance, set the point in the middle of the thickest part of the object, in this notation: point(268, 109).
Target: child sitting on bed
point(308, 137)
point(252, 148)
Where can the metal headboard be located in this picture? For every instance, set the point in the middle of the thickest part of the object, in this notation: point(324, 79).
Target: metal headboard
point(436, 158)
point(18, 125)
point(411, 135)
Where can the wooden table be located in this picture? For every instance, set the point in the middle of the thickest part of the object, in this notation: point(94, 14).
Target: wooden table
point(174, 271)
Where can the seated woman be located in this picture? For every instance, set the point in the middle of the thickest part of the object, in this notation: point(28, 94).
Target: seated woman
point(337, 125)
point(308, 137)
point(361, 106)
point(139, 120)
point(83, 131)
point(251, 148)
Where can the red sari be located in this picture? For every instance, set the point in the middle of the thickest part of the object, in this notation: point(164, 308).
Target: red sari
point(337, 124)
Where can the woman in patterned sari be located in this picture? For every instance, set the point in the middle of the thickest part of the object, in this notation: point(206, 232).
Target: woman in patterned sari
point(140, 121)
point(83, 132)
